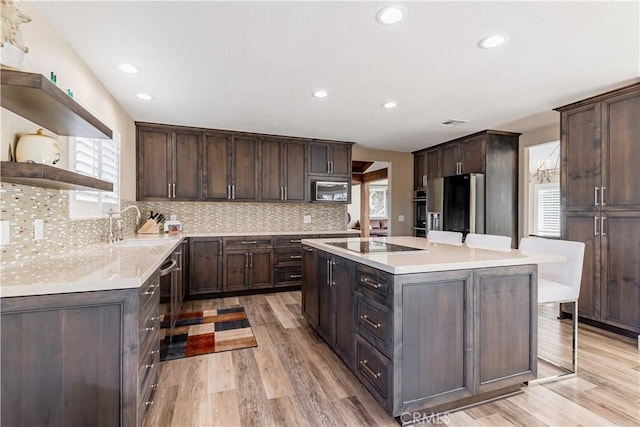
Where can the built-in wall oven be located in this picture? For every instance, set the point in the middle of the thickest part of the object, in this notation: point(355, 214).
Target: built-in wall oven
point(420, 213)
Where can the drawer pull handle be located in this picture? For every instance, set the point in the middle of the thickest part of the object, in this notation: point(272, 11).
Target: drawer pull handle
point(366, 281)
point(149, 366)
point(150, 292)
point(296, 276)
point(366, 319)
point(155, 352)
point(368, 369)
point(152, 328)
point(295, 257)
point(250, 242)
point(153, 319)
point(295, 241)
point(307, 249)
point(149, 402)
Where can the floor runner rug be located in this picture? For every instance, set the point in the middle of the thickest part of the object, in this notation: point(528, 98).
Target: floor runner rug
point(203, 332)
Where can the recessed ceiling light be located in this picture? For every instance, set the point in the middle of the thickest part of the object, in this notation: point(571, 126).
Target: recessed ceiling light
point(145, 96)
point(389, 104)
point(493, 40)
point(128, 68)
point(320, 94)
point(390, 15)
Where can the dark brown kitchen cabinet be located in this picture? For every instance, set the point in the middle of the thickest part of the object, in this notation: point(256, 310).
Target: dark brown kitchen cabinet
point(230, 167)
point(205, 268)
point(600, 202)
point(248, 269)
point(330, 159)
point(464, 156)
point(283, 170)
point(334, 281)
point(288, 260)
point(80, 359)
point(427, 166)
point(248, 262)
point(309, 287)
point(169, 164)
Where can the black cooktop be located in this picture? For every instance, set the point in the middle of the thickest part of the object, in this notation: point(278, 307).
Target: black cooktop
point(372, 246)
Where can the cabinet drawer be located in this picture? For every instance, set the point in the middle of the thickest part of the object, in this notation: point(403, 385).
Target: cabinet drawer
point(148, 369)
point(247, 242)
point(374, 283)
point(148, 334)
point(288, 241)
point(146, 394)
point(374, 370)
point(374, 323)
point(288, 257)
point(288, 276)
point(149, 292)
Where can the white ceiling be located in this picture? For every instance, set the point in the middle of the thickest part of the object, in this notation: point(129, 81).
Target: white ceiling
point(253, 65)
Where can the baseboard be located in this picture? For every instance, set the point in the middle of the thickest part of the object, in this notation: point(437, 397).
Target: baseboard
point(243, 292)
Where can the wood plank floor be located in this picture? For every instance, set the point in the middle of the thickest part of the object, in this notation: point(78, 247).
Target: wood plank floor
point(293, 379)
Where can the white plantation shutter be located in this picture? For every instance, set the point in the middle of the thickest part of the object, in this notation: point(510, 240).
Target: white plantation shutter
point(548, 209)
point(99, 158)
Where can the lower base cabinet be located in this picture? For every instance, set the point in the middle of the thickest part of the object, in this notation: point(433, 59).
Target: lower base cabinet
point(427, 341)
point(205, 269)
point(80, 359)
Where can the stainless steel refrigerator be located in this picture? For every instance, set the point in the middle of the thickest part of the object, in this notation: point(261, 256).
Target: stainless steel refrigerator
point(457, 203)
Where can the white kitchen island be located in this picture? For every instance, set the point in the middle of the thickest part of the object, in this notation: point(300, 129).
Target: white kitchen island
point(429, 328)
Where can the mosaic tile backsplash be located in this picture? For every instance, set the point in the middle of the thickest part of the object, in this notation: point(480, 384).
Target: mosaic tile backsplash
point(22, 204)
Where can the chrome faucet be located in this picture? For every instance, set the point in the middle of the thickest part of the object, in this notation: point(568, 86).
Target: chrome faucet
point(111, 237)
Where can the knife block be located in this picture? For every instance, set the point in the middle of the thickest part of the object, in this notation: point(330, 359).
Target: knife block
point(149, 227)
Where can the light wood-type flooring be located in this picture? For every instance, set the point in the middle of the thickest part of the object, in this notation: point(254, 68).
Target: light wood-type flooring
point(293, 379)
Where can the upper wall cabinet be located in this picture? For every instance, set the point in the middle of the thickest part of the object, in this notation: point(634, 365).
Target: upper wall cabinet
point(35, 98)
point(169, 164)
point(182, 163)
point(330, 159)
point(282, 163)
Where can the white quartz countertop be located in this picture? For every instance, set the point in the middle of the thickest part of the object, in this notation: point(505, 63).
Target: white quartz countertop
point(103, 266)
point(429, 257)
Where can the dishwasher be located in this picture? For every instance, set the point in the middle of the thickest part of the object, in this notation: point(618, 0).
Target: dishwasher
point(171, 268)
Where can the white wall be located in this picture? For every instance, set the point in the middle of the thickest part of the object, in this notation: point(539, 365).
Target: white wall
point(48, 51)
point(354, 207)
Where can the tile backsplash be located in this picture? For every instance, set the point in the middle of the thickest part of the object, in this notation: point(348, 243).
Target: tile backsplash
point(21, 205)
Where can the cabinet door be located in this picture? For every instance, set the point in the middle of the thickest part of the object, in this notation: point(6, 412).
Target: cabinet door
point(580, 158)
point(324, 296)
point(341, 160)
point(260, 272)
point(187, 165)
point(271, 168)
point(236, 265)
point(294, 171)
point(620, 292)
point(450, 159)
point(154, 163)
point(585, 227)
point(216, 159)
point(343, 278)
point(204, 267)
point(244, 169)
point(309, 286)
point(473, 155)
point(434, 164)
point(319, 156)
point(621, 151)
point(420, 170)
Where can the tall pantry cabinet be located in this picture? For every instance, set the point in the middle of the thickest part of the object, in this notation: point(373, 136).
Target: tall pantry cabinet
point(600, 202)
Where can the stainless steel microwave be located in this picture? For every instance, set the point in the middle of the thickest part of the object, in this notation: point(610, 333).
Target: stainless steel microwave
point(330, 191)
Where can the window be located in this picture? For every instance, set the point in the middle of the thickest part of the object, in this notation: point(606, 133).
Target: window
point(544, 190)
point(99, 158)
point(378, 202)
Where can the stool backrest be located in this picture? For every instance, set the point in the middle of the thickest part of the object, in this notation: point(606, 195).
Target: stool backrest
point(569, 272)
point(450, 237)
point(488, 241)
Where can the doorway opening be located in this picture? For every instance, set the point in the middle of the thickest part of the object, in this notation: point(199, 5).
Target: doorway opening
point(370, 207)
